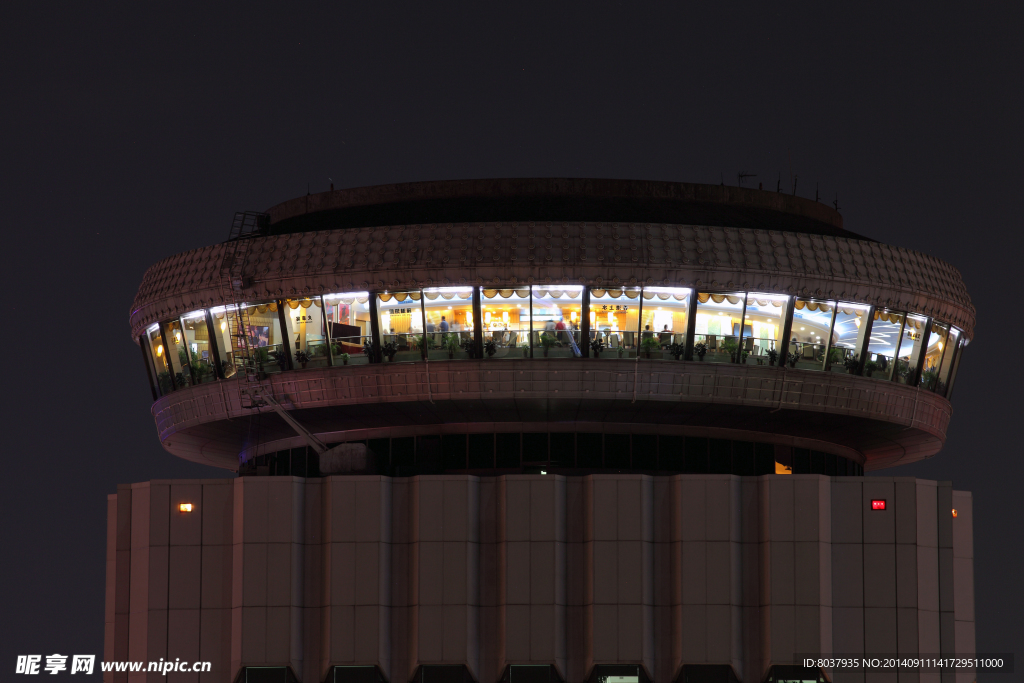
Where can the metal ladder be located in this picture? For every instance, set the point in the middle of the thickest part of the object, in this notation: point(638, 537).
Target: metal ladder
point(244, 226)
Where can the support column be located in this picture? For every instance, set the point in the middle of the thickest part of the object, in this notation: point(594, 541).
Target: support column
point(585, 323)
point(375, 329)
point(286, 345)
point(787, 331)
point(478, 324)
point(691, 324)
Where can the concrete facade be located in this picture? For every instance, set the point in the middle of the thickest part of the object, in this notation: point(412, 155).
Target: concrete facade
point(537, 569)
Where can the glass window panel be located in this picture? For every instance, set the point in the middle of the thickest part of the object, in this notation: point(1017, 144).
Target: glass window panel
point(808, 338)
point(956, 366)
point(762, 327)
point(909, 349)
point(449, 323)
point(197, 346)
point(177, 356)
point(556, 320)
point(645, 451)
point(884, 342)
point(224, 326)
point(562, 448)
point(535, 447)
point(158, 354)
point(481, 451)
point(934, 353)
point(615, 320)
point(589, 450)
point(616, 451)
point(695, 456)
point(401, 325)
point(665, 312)
point(718, 326)
point(307, 335)
point(743, 458)
point(348, 327)
point(847, 335)
point(506, 321)
point(948, 358)
point(506, 450)
point(262, 326)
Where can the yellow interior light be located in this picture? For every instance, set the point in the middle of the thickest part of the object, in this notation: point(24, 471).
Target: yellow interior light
point(177, 337)
point(223, 325)
point(159, 350)
point(184, 507)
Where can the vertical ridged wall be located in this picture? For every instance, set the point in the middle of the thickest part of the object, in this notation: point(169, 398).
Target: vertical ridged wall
point(577, 571)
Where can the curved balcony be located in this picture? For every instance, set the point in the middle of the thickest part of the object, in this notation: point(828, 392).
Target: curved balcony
point(877, 424)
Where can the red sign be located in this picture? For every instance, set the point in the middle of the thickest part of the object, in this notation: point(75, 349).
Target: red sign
point(878, 504)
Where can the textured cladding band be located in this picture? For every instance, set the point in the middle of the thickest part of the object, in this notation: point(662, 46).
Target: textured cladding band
point(400, 256)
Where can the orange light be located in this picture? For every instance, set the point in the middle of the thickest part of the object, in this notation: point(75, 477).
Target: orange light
point(954, 512)
point(184, 507)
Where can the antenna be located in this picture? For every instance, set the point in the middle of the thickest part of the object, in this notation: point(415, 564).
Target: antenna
point(836, 202)
point(723, 178)
point(741, 175)
point(332, 184)
point(778, 185)
point(791, 181)
point(795, 178)
point(816, 192)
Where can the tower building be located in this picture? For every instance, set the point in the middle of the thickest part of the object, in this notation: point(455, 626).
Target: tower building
point(546, 430)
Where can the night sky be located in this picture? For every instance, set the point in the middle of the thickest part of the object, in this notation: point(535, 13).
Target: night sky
point(134, 131)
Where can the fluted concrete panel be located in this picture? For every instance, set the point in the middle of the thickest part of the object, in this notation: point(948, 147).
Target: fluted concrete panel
point(535, 569)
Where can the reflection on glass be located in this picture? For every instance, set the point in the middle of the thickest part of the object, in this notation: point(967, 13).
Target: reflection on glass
point(847, 336)
point(306, 333)
point(176, 355)
point(449, 323)
point(556, 321)
point(938, 342)
point(224, 322)
point(197, 346)
point(348, 327)
point(808, 337)
point(158, 354)
point(948, 358)
point(615, 321)
point(664, 320)
point(258, 329)
point(883, 343)
point(401, 325)
point(956, 364)
point(762, 328)
point(718, 327)
point(909, 349)
point(506, 322)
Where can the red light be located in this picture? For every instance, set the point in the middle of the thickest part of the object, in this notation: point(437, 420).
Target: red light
point(878, 504)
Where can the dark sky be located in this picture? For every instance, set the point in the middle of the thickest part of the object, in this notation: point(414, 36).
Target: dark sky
point(133, 131)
